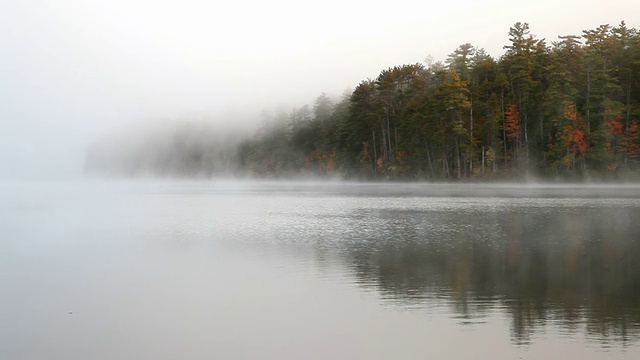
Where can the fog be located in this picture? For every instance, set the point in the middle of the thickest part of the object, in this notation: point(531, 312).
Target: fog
point(74, 72)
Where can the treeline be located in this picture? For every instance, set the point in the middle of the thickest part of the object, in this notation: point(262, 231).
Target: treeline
point(568, 109)
point(565, 109)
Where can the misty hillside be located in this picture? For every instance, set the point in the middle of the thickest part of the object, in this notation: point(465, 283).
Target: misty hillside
point(568, 108)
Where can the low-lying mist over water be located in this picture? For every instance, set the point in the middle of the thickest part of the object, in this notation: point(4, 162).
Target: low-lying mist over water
point(274, 270)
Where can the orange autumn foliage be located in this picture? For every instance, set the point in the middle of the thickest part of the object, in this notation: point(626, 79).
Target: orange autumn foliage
point(573, 133)
point(512, 121)
point(579, 142)
point(627, 139)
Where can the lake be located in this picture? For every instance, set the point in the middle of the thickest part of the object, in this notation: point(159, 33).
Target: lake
point(308, 270)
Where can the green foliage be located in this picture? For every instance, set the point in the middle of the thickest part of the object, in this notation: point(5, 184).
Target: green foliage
point(567, 109)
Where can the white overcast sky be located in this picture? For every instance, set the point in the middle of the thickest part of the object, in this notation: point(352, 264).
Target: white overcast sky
point(71, 70)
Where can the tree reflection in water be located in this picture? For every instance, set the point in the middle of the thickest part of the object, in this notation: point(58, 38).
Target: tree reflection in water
point(573, 267)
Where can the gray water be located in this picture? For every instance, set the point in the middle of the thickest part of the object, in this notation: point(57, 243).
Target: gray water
point(257, 270)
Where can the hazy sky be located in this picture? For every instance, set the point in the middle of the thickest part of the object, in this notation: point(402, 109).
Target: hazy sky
point(71, 70)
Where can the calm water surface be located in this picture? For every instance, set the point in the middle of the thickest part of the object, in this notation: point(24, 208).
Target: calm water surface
point(248, 270)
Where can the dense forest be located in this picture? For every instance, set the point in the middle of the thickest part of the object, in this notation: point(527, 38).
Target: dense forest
point(567, 109)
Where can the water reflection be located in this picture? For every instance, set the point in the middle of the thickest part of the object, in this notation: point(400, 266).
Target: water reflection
point(210, 270)
point(547, 262)
point(553, 264)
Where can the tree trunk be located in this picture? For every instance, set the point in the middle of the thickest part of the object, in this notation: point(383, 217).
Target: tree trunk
point(626, 126)
point(390, 152)
point(383, 149)
point(504, 132)
point(471, 136)
point(458, 159)
point(426, 145)
point(375, 153)
point(588, 97)
point(482, 159)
